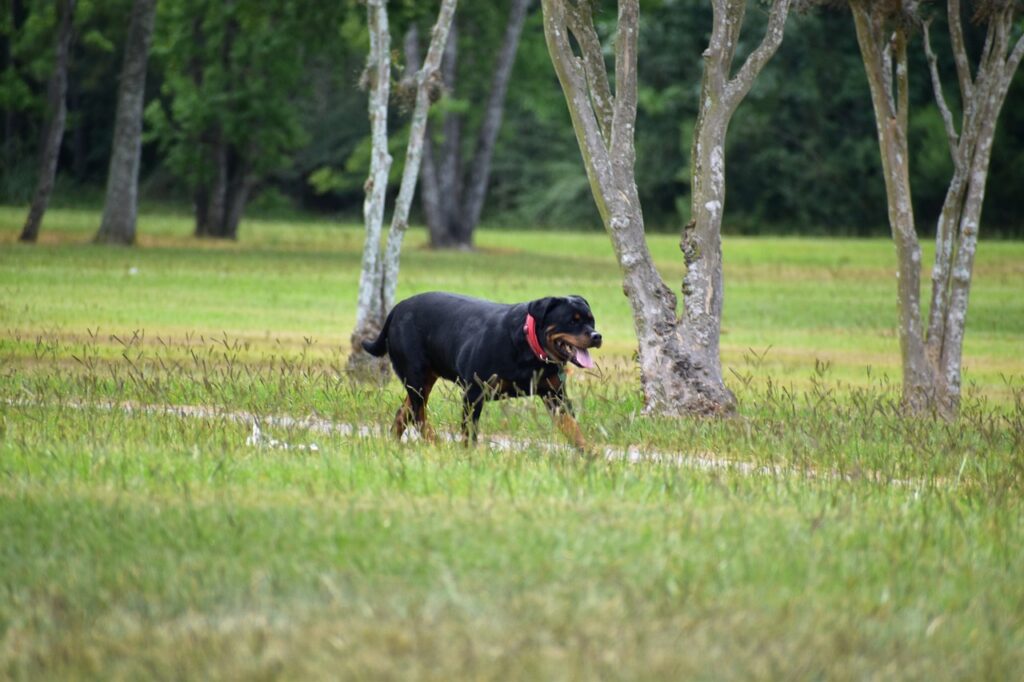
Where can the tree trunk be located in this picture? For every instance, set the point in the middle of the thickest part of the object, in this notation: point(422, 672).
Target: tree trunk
point(239, 188)
point(426, 82)
point(121, 204)
point(215, 193)
point(380, 270)
point(879, 45)
point(56, 105)
point(480, 170)
point(368, 309)
point(982, 97)
point(680, 369)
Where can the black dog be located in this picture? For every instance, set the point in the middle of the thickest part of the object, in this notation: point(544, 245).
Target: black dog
point(491, 350)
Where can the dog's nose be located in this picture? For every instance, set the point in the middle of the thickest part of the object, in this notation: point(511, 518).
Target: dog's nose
point(595, 339)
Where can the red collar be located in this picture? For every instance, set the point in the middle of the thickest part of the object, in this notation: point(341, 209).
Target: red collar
point(530, 328)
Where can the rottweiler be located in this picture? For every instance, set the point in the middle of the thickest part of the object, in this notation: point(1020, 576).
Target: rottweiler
point(491, 350)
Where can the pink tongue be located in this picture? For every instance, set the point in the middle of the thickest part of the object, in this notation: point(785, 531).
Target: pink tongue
point(583, 358)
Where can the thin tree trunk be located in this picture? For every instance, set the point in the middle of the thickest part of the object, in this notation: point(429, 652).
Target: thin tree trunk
point(121, 204)
point(369, 299)
point(879, 45)
point(56, 94)
point(480, 169)
point(449, 166)
point(426, 81)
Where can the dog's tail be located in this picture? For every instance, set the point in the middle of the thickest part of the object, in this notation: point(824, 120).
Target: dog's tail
point(379, 347)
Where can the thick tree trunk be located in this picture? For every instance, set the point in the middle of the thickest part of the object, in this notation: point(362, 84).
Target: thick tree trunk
point(121, 204)
point(56, 105)
point(679, 357)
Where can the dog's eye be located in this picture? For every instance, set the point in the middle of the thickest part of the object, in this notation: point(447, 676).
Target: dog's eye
point(576, 317)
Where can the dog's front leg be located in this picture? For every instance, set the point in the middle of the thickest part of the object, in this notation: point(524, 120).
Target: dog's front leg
point(561, 413)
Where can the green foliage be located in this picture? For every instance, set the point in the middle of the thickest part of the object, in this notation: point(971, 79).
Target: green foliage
point(231, 71)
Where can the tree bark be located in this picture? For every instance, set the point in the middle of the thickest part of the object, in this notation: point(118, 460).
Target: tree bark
point(120, 207)
point(368, 306)
point(932, 356)
point(680, 368)
point(453, 199)
point(426, 81)
point(56, 104)
point(982, 97)
point(480, 169)
point(879, 45)
point(379, 275)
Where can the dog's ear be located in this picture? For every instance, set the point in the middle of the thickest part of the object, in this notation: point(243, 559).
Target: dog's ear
point(541, 307)
point(585, 302)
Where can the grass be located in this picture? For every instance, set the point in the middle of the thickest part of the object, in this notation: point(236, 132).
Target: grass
point(825, 535)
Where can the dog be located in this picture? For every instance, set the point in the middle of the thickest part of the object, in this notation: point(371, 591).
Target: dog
point(491, 350)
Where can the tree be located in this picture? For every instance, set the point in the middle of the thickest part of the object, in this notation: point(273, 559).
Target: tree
point(931, 356)
point(56, 106)
point(680, 368)
point(227, 119)
point(379, 274)
point(121, 203)
point(453, 199)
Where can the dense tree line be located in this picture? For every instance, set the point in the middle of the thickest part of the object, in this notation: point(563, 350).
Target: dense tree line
point(262, 102)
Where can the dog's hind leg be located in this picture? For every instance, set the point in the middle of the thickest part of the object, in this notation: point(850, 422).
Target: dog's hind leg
point(415, 406)
point(472, 406)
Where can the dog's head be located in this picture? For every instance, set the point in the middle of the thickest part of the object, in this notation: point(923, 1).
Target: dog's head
point(565, 328)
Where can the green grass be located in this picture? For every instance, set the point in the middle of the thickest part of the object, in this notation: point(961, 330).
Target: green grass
point(820, 534)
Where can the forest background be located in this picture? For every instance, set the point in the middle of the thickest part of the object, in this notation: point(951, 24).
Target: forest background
point(280, 82)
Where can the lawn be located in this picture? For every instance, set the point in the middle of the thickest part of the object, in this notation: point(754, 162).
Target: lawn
point(819, 534)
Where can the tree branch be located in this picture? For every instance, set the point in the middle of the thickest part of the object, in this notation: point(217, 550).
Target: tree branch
point(581, 23)
point(940, 99)
point(956, 38)
point(588, 132)
point(425, 80)
point(624, 118)
point(744, 79)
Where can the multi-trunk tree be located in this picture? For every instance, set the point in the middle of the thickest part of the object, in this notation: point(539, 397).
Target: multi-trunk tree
point(453, 193)
point(378, 277)
point(120, 207)
point(56, 116)
point(932, 349)
point(680, 367)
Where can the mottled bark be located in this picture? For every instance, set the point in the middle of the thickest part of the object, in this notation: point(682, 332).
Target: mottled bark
point(56, 107)
point(378, 68)
point(932, 354)
point(880, 46)
point(426, 83)
point(378, 277)
point(680, 369)
point(121, 204)
point(982, 96)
